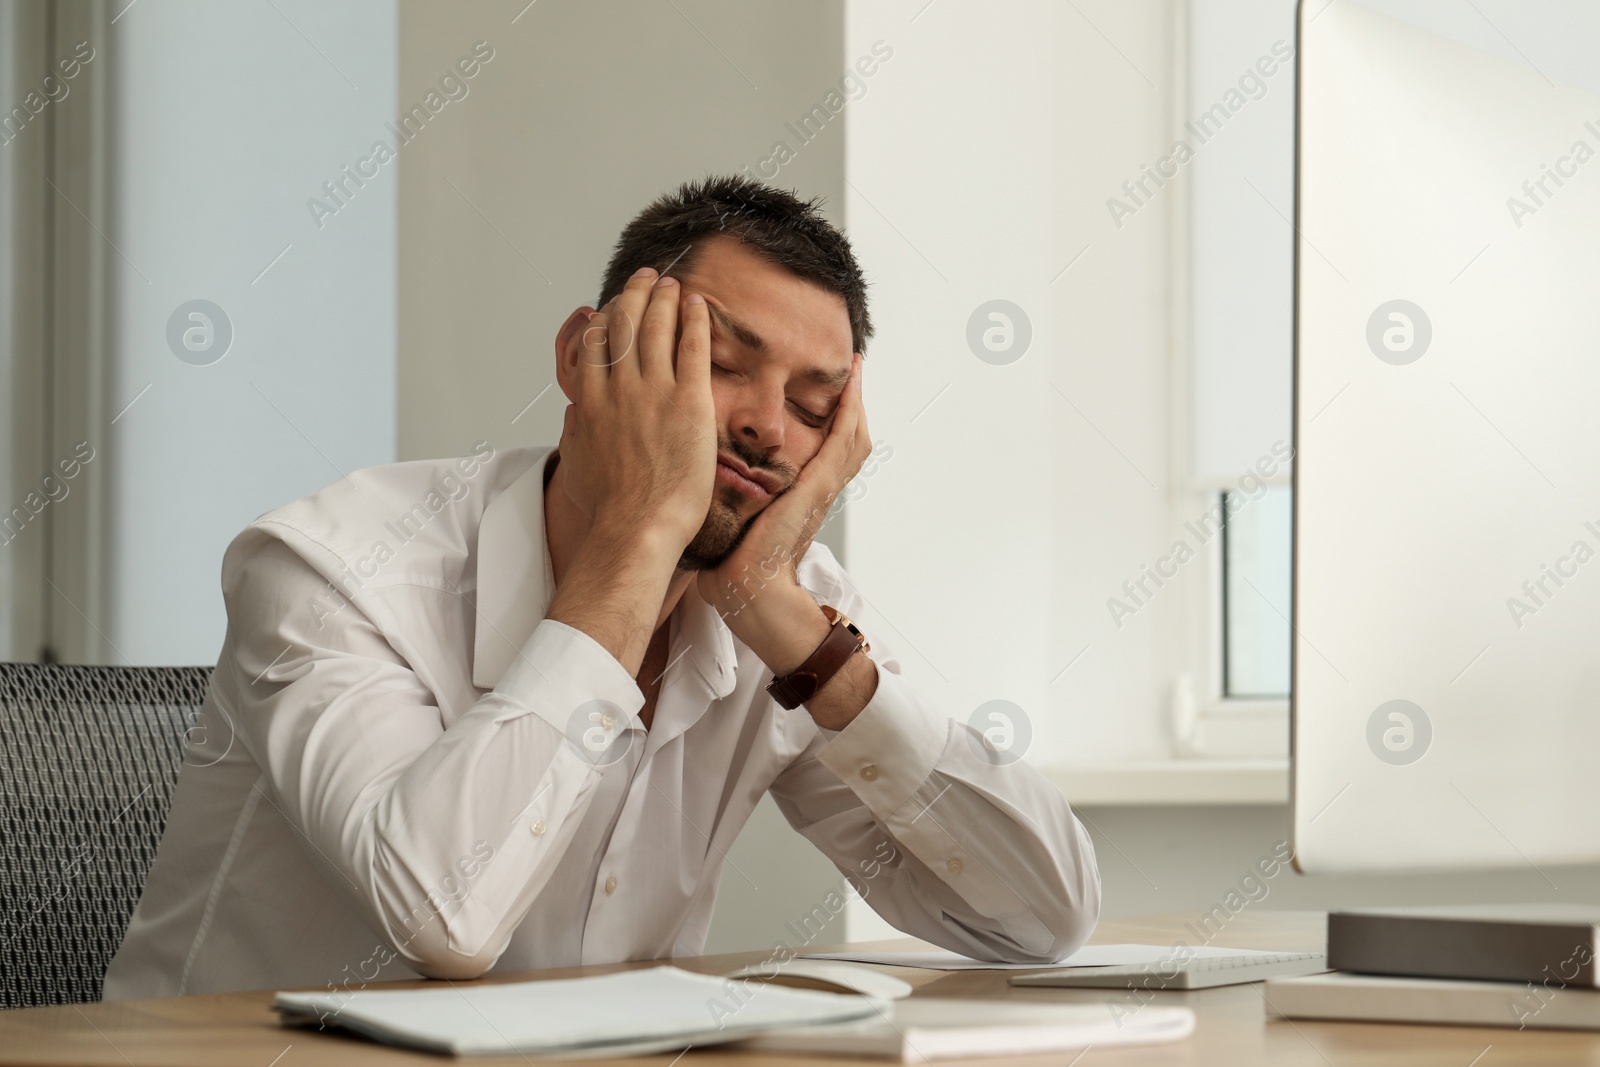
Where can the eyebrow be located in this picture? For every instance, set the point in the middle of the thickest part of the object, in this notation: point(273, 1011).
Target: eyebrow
point(831, 379)
point(736, 329)
point(750, 339)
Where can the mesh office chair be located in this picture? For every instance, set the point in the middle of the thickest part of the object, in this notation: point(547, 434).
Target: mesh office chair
point(88, 760)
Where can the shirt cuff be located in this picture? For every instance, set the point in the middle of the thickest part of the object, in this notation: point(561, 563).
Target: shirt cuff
point(563, 675)
point(890, 748)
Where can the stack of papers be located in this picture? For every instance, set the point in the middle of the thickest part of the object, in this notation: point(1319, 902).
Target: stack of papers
point(637, 1012)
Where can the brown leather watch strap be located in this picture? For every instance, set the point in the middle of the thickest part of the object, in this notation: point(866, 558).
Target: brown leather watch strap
point(802, 683)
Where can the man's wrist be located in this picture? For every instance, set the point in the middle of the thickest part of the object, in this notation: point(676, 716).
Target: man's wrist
point(614, 587)
point(783, 626)
point(630, 543)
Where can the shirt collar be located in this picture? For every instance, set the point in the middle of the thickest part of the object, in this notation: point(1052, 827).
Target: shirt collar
point(709, 643)
point(516, 582)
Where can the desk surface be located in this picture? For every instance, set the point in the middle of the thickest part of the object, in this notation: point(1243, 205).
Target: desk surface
point(241, 1028)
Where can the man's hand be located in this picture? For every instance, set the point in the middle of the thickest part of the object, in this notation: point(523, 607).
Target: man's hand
point(639, 444)
point(638, 461)
point(781, 534)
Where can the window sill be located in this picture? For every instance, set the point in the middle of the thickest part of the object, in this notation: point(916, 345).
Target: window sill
point(1184, 782)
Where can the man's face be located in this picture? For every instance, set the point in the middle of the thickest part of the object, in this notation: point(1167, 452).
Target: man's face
point(780, 357)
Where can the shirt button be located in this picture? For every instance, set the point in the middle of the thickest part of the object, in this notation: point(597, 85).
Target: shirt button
point(537, 828)
point(611, 884)
point(870, 772)
point(954, 866)
point(607, 720)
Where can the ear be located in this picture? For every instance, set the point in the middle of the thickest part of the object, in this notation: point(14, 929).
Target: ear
point(569, 349)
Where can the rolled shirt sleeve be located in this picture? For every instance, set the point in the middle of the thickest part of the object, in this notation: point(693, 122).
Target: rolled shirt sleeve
point(396, 806)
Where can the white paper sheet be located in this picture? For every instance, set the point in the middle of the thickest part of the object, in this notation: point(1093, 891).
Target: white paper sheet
point(923, 1028)
point(1087, 956)
point(627, 1013)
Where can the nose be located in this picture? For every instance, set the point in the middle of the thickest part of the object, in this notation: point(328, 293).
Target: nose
point(756, 417)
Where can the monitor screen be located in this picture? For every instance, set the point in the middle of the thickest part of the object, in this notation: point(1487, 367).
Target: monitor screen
point(1446, 653)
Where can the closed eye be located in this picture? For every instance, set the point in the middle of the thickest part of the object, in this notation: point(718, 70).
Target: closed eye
point(805, 414)
point(809, 417)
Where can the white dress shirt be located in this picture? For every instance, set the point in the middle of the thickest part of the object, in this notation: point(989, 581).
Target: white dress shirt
point(403, 768)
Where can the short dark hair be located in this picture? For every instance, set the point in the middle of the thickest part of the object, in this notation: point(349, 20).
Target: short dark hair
point(670, 233)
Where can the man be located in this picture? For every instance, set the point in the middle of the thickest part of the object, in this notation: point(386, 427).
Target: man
point(512, 710)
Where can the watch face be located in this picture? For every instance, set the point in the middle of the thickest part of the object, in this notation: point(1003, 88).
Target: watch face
point(856, 631)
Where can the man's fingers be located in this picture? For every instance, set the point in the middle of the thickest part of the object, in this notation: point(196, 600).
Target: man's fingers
point(694, 346)
point(862, 439)
point(847, 434)
point(839, 459)
point(659, 330)
point(595, 358)
point(623, 331)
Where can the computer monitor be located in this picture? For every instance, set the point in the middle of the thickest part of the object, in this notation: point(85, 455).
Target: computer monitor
point(1446, 653)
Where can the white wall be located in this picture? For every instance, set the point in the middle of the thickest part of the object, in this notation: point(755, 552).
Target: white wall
point(13, 259)
point(228, 118)
point(512, 197)
point(1182, 860)
point(1026, 493)
point(1014, 505)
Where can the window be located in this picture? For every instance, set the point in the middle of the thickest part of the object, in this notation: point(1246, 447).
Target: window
point(1256, 594)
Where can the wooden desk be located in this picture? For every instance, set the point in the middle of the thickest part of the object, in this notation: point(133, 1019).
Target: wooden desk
point(241, 1028)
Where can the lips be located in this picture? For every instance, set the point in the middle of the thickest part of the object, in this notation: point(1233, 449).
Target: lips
point(754, 483)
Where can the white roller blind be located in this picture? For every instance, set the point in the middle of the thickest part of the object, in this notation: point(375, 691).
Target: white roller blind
point(1240, 128)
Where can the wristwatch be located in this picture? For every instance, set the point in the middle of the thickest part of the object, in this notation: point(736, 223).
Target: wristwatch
point(844, 640)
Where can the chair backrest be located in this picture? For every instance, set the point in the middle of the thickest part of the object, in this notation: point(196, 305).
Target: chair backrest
point(88, 760)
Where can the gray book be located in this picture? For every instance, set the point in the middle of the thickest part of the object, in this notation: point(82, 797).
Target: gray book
point(1445, 1001)
point(1551, 944)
